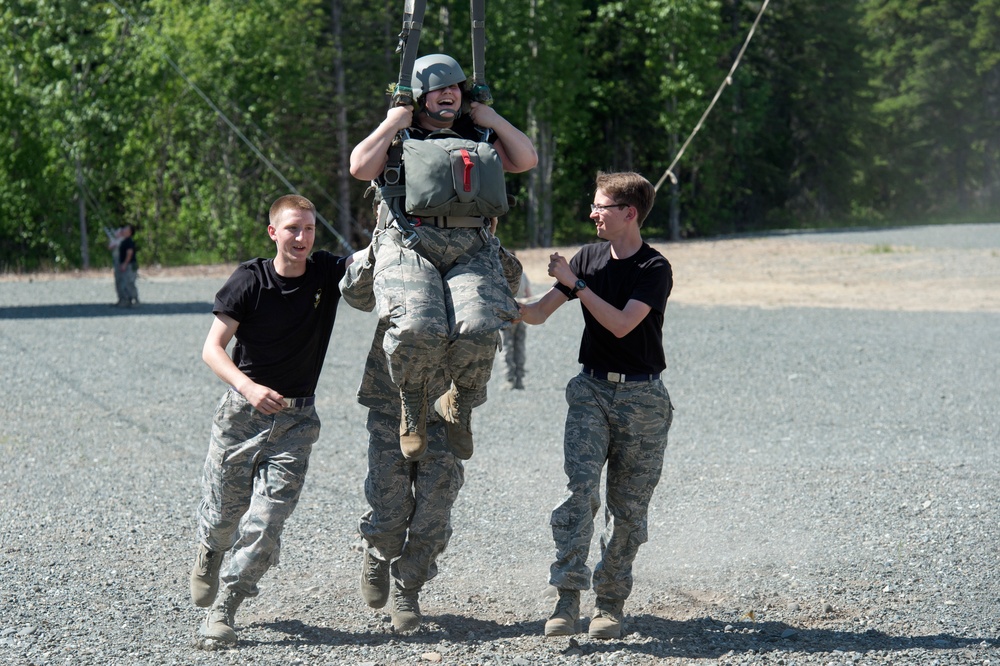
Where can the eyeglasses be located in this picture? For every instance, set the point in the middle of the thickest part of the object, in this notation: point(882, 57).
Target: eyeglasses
point(600, 208)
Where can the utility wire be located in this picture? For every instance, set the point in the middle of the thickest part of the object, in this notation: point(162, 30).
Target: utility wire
point(669, 173)
point(236, 130)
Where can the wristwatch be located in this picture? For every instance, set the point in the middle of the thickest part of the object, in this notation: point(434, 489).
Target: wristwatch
point(580, 284)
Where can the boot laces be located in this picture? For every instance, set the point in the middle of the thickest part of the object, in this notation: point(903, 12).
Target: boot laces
point(374, 572)
point(407, 601)
point(611, 611)
point(411, 409)
point(226, 611)
point(566, 605)
point(207, 561)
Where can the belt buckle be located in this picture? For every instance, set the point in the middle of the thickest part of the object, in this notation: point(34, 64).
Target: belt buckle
point(287, 401)
point(616, 377)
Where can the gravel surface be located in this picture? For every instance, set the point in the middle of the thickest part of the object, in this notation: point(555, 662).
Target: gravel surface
point(830, 494)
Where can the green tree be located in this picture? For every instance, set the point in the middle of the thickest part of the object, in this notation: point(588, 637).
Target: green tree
point(934, 62)
point(534, 65)
point(986, 55)
point(60, 70)
point(649, 65)
point(788, 142)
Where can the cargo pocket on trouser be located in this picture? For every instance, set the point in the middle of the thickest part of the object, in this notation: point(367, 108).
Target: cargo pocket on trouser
point(410, 296)
point(512, 269)
point(357, 285)
point(480, 297)
point(387, 278)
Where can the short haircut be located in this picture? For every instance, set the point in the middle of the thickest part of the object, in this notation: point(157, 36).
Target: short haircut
point(289, 202)
point(630, 188)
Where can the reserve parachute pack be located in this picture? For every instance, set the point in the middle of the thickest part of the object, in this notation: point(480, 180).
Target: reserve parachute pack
point(446, 175)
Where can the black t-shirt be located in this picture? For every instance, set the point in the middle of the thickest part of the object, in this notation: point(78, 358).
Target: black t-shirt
point(646, 276)
point(463, 126)
point(123, 248)
point(285, 323)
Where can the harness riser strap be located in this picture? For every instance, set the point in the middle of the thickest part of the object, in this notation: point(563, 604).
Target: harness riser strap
point(480, 91)
point(409, 42)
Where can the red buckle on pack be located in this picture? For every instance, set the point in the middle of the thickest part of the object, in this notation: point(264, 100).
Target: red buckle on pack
point(467, 177)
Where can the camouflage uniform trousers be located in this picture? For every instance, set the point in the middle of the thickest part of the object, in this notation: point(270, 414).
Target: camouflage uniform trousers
point(127, 291)
point(514, 350)
point(624, 425)
point(409, 522)
point(446, 300)
point(252, 480)
point(116, 267)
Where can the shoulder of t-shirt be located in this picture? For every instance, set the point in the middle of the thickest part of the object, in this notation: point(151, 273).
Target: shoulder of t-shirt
point(325, 257)
point(322, 256)
point(331, 264)
point(593, 250)
point(247, 277)
point(255, 266)
point(598, 247)
point(650, 257)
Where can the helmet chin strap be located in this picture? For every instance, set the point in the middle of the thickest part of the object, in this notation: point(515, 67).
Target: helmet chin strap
point(442, 115)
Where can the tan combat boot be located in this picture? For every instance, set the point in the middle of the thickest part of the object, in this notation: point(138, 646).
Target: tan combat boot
point(205, 576)
point(413, 425)
point(608, 619)
point(220, 623)
point(455, 407)
point(405, 613)
point(374, 581)
point(565, 619)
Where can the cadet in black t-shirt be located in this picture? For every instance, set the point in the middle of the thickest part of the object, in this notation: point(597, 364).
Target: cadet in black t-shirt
point(281, 313)
point(619, 411)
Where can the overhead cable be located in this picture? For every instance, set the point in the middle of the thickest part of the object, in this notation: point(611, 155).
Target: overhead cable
point(669, 173)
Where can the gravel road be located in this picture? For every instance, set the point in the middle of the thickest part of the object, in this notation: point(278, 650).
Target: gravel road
point(830, 494)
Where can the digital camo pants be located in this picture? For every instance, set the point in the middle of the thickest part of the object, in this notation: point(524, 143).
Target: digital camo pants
point(624, 426)
point(116, 269)
point(514, 350)
point(127, 291)
point(252, 480)
point(446, 301)
point(409, 522)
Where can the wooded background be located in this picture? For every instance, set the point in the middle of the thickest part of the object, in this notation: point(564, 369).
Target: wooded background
point(188, 118)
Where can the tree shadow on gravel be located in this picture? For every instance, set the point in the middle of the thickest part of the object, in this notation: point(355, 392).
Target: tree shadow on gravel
point(710, 638)
point(91, 310)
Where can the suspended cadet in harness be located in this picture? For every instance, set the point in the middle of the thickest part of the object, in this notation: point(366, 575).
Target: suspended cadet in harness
point(437, 273)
